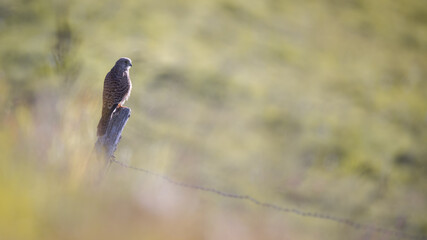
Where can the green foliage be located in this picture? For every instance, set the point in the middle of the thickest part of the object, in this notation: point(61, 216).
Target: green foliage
point(315, 104)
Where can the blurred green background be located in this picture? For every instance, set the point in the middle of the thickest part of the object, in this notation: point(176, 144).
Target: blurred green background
point(318, 105)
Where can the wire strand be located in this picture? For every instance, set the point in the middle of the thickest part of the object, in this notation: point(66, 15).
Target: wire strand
point(299, 212)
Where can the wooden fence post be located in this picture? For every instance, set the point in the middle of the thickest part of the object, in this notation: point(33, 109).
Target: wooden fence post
point(106, 145)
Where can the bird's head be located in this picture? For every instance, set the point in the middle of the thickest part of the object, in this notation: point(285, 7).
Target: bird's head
point(124, 63)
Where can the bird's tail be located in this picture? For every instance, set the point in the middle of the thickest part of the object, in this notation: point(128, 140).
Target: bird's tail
point(102, 125)
point(105, 119)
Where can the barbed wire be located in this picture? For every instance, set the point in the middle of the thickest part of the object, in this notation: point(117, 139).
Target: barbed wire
point(348, 222)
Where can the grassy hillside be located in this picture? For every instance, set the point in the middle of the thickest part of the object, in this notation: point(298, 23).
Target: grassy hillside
point(317, 105)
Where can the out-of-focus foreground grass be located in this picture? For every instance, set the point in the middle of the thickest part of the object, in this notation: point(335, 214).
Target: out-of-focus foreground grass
point(319, 105)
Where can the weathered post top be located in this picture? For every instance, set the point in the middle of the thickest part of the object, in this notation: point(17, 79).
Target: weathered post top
point(106, 145)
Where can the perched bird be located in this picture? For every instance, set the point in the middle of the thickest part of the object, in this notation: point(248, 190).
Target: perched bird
point(117, 87)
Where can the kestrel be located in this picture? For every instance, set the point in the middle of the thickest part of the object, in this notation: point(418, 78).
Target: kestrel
point(117, 87)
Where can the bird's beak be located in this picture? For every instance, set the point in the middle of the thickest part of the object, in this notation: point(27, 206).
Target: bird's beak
point(130, 64)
